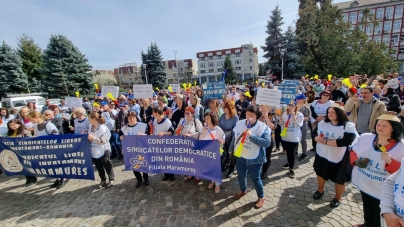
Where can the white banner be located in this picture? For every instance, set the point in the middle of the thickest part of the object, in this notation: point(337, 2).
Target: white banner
point(141, 91)
point(114, 90)
point(73, 102)
point(176, 87)
point(269, 97)
point(393, 83)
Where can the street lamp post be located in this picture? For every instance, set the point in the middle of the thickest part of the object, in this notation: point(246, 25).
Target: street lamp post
point(145, 73)
point(282, 51)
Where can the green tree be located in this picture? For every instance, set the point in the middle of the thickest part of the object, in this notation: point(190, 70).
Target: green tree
point(292, 67)
point(31, 56)
point(231, 75)
point(260, 70)
point(274, 43)
point(328, 45)
point(66, 69)
point(154, 67)
point(12, 78)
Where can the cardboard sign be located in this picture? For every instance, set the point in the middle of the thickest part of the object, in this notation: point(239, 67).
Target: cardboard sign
point(176, 87)
point(73, 102)
point(268, 97)
point(393, 83)
point(114, 90)
point(141, 91)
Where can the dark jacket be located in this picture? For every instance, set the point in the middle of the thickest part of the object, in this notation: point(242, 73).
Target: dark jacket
point(242, 107)
point(121, 120)
point(58, 122)
point(336, 95)
point(177, 115)
point(394, 103)
point(148, 112)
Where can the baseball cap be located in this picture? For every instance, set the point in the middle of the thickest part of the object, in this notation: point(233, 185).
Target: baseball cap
point(300, 97)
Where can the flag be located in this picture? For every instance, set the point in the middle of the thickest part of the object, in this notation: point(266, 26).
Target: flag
point(224, 74)
point(109, 95)
point(283, 133)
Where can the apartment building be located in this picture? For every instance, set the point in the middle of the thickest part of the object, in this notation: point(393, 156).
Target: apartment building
point(244, 59)
point(388, 14)
point(128, 74)
point(181, 71)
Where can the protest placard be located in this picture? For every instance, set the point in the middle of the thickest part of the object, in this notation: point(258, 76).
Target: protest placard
point(173, 154)
point(141, 91)
point(55, 156)
point(114, 90)
point(270, 97)
point(176, 87)
point(73, 102)
point(214, 90)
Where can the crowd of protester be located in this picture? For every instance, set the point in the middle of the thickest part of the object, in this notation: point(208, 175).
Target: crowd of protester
point(355, 128)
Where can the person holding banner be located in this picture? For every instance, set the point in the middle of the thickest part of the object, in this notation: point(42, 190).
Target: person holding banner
point(161, 126)
point(99, 136)
point(256, 136)
point(292, 121)
point(375, 157)
point(212, 132)
point(135, 128)
point(17, 129)
point(43, 128)
point(25, 119)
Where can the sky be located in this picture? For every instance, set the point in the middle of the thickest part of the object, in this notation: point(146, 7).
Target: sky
point(112, 33)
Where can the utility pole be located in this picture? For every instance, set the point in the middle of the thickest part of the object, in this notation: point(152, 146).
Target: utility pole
point(176, 66)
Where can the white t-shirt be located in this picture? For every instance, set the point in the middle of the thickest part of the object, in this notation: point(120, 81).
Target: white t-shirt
point(293, 132)
point(98, 149)
point(109, 122)
point(49, 128)
point(233, 96)
point(320, 108)
point(81, 127)
point(135, 129)
point(3, 126)
point(217, 133)
point(164, 126)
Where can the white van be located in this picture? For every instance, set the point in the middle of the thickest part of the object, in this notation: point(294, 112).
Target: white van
point(17, 101)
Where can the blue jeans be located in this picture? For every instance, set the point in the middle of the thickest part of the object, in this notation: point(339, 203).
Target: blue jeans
point(254, 171)
point(115, 143)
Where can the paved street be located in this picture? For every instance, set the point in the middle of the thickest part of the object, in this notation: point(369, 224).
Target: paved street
point(288, 202)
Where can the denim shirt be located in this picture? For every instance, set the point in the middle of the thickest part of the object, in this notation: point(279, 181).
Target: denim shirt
point(264, 141)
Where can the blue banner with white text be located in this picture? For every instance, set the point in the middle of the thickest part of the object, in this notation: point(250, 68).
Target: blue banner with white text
point(213, 90)
point(173, 154)
point(288, 93)
point(55, 156)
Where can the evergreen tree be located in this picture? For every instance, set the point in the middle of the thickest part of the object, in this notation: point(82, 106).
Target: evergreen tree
point(274, 43)
point(260, 70)
point(328, 45)
point(66, 69)
point(12, 78)
point(31, 56)
point(292, 67)
point(231, 75)
point(154, 67)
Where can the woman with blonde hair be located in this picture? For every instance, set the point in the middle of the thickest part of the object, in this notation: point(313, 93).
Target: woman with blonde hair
point(99, 136)
point(25, 119)
point(199, 110)
point(292, 120)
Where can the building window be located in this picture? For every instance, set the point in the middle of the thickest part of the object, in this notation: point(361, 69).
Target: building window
point(386, 40)
point(369, 28)
point(237, 62)
point(394, 39)
point(352, 17)
point(379, 13)
point(360, 15)
point(371, 15)
point(399, 11)
point(377, 39)
point(250, 67)
point(210, 57)
point(238, 55)
point(219, 57)
point(203, 71)
point(378, 29)
point(387, 26)
point(397, 24)
point(211, 70)
point(202, 65)
point(219, 63)
point(250, 60)
point(345, 17)
point(210, 64)
point(389, 13)
point(238, 68)
point(227, 55)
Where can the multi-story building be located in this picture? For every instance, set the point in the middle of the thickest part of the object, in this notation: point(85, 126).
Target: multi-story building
point(181, 71)
point(128, 74)
point(388, 14)
point(244, 59)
